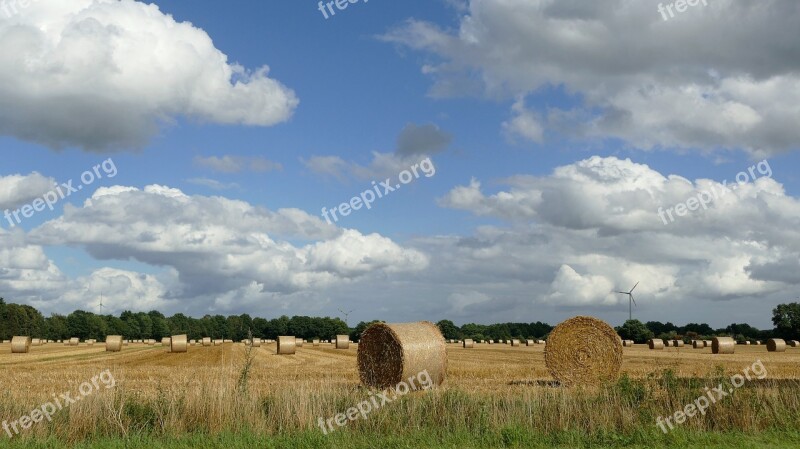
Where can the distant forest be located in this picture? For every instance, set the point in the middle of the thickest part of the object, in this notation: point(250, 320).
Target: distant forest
point(25, 320)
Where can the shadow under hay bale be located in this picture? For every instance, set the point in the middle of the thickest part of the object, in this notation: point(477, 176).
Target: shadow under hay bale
point(20, 345)
point(287, 345)
point(583, 351)
point(391, 353)
point(723, 345)
point(114, 343)
point(776, 345)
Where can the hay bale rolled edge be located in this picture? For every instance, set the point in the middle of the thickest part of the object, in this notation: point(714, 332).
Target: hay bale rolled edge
point(287, 345)
point(20, 345)
point(114, 343)
point(776, 345)
point(723, 345)
point(392, 353)
point(583, 351)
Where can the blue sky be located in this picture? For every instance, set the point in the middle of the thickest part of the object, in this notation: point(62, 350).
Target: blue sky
point(571, 137)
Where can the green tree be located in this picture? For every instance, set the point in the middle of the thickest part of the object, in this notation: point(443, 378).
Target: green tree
point(634, 330)
point(786, 318)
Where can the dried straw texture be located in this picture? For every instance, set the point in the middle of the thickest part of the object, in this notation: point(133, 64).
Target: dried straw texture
point(698, 344)
point(342, 342)
point(179, 343)
point(655, 343)
point(300, 342)
point(391, 353)
point(20, 345)
point(468, 343)
point(74, 341)
point(776, 345)
point(206, 341)
point(583, 351)
point(723, 345)
point(114, 343)
point(287, 345)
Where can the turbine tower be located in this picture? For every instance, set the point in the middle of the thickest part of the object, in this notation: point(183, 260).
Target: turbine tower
point(631, 301)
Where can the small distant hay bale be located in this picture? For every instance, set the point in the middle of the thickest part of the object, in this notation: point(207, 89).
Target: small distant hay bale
point(206, 341)
point(287, 345)
point(392, 353)
point(723, 345)
point(468, 343)
point(315, 342)
point(166, 341)
point(491, 342)
point(227, 341)
point(514, 343)
point(707, 343)
point(256, 343)
point(218, 342)
point(627, 343)
point(74, 341)
point(342, 342)
point(36, 342)
point(192, 342)
point(794, 343)
point(20, 345)
point(776, 345)
point(698, 344)
point(179, 344)
point(655, 343)
point(114, 343)
point(758, 342)
point(583, 351)
point(300, 342)
point(678, 343)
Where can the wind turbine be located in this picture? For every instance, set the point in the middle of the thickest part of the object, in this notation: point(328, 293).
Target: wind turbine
point(630, 300)
point(346, 316)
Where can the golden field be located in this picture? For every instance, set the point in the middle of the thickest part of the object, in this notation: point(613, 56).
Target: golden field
point(490, 386)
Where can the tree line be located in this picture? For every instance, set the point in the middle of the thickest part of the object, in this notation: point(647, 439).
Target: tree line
point(18, 319)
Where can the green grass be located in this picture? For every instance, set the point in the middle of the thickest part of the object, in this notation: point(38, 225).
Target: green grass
point(505, 438)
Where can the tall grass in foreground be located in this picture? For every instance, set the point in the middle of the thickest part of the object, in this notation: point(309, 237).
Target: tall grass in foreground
point(215, 405)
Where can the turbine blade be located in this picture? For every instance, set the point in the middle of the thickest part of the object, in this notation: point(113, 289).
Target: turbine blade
point(634, 287)
point(634, 301)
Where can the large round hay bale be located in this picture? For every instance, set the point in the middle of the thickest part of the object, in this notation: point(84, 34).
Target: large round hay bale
point(698, 344)
point(20, 345)
point(655, 343)
point(206, 341)
point(287, 345)
point(468, 343)
point(514, 342)
point(74, 341)
point(166, 341)
point(678, 343)
point(583, 350)
point(776, 345)
point(342, 342)
point(114, 343)
point(218, 342)
point(723, 345)
point(529, 343)
point(794, 343)
point(391, 353)
point(179, 343)
point(36, 342)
